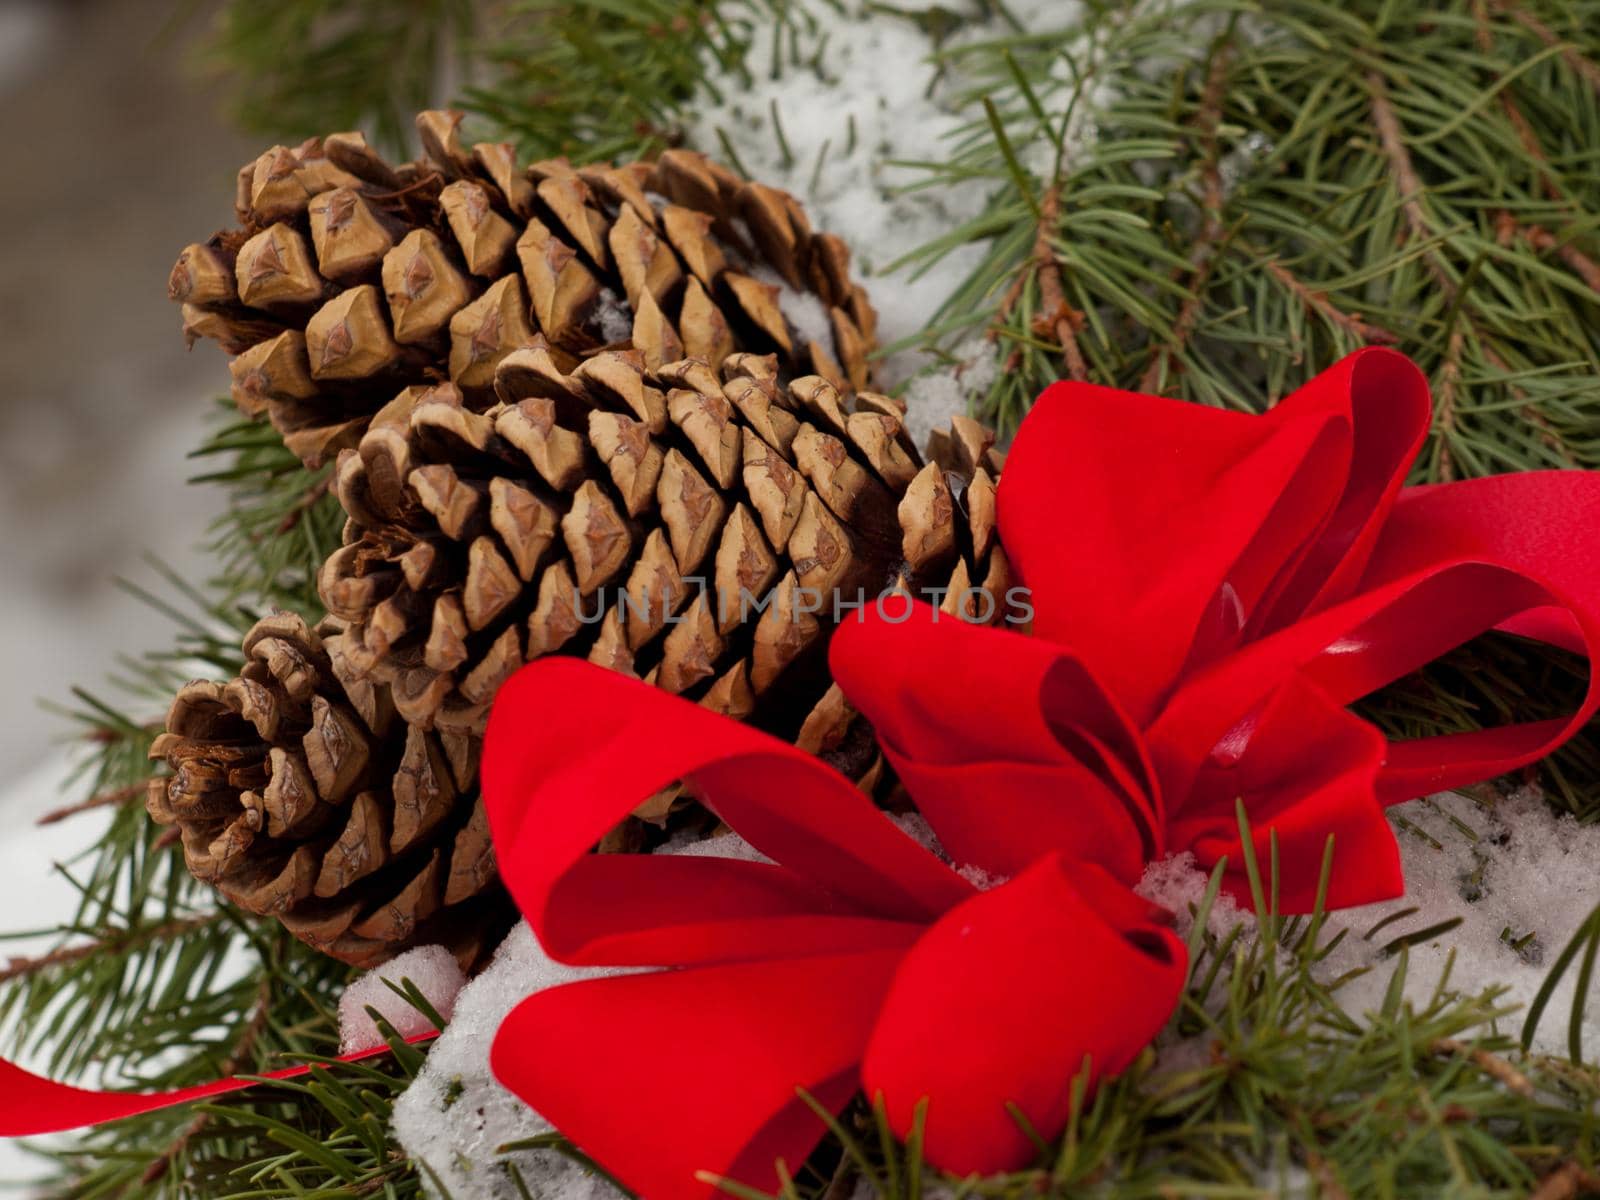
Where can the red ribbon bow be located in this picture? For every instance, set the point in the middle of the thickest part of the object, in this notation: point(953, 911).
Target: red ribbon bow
point(856, 957)
point(1201, 621)
point(1235, 580)
point(1210, 588)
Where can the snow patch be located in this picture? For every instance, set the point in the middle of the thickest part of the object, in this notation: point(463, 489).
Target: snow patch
point(1520, 878)
point(805, 313)
point(434, 972)
point(613, 317)
point(859, 101)
point(455, 1116)
point(954, 387)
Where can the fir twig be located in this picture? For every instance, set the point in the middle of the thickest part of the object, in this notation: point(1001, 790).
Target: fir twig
point(116, 796)
point(108, 943)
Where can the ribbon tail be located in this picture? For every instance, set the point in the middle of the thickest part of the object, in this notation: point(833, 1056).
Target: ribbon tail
point(31, 1105)
point(1540, 525)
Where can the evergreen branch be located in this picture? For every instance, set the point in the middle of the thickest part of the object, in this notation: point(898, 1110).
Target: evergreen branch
point(295, 69)
point(1566, 1182)
point(1408, 183)
point(1367, 174)
point(280, 523)
point(1582, 66)
point(1319, 303)
point(110, 942)
point(1493, 1065)
point(590, 79)
point(1208, 241)
point(1544, 241)
point(238, 1059)
point(116, 796)
point(1056, 317)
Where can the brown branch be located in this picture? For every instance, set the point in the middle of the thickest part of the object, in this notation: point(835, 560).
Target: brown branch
point(237, 1060)
point(1392, 139)
point(1203, 254)
point(122, 939)
point(118, 796)
point(1056, 315)
point(1586, 70)
point(1409, 184)
point(1529, 412)
point(1492, 1065)
point(303, 505)
point(1565, 1182)
point(1327, 1182)
point(1545, 242)
point(1519, 122)
point(1319, 303)
point(1008, 302)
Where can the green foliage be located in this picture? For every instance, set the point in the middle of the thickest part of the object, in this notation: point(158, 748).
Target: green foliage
point(280, 522)
point(1263, 1082)
point(156, 982)
point(1270, 186)
point(1261, 1076)
point(295, 69)
point(605, 79)
point(1215, 200)
point(586, 78)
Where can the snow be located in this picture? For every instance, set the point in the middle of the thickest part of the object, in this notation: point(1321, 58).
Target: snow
point(940, 392)
point(434, 972)
point(859, 101)
point(804, 311)
point(1507, 870)
point(455, 1116)
point(613, 317)
point(1521, 870)
point(1526, 871)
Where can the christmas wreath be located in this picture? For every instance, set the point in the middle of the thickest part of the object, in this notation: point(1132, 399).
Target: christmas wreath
point(698, 706)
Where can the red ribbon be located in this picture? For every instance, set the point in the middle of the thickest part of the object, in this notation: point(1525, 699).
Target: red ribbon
point(1211, 589)
point(31, 1105)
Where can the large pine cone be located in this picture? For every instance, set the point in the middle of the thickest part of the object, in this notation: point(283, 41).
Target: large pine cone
point(333, 784)
point(300, 794)
point(581, 514)
point(352, 279)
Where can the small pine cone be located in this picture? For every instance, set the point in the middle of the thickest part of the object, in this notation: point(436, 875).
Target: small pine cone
point(299, 794)
point(351, 278)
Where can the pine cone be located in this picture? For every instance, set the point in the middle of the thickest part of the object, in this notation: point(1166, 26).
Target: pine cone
point(352, 279)
point(533, 461)
point(300, 794)
point(690, 530)
point(332, 785)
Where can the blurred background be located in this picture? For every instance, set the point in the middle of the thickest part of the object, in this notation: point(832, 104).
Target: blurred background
point(118, 158)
